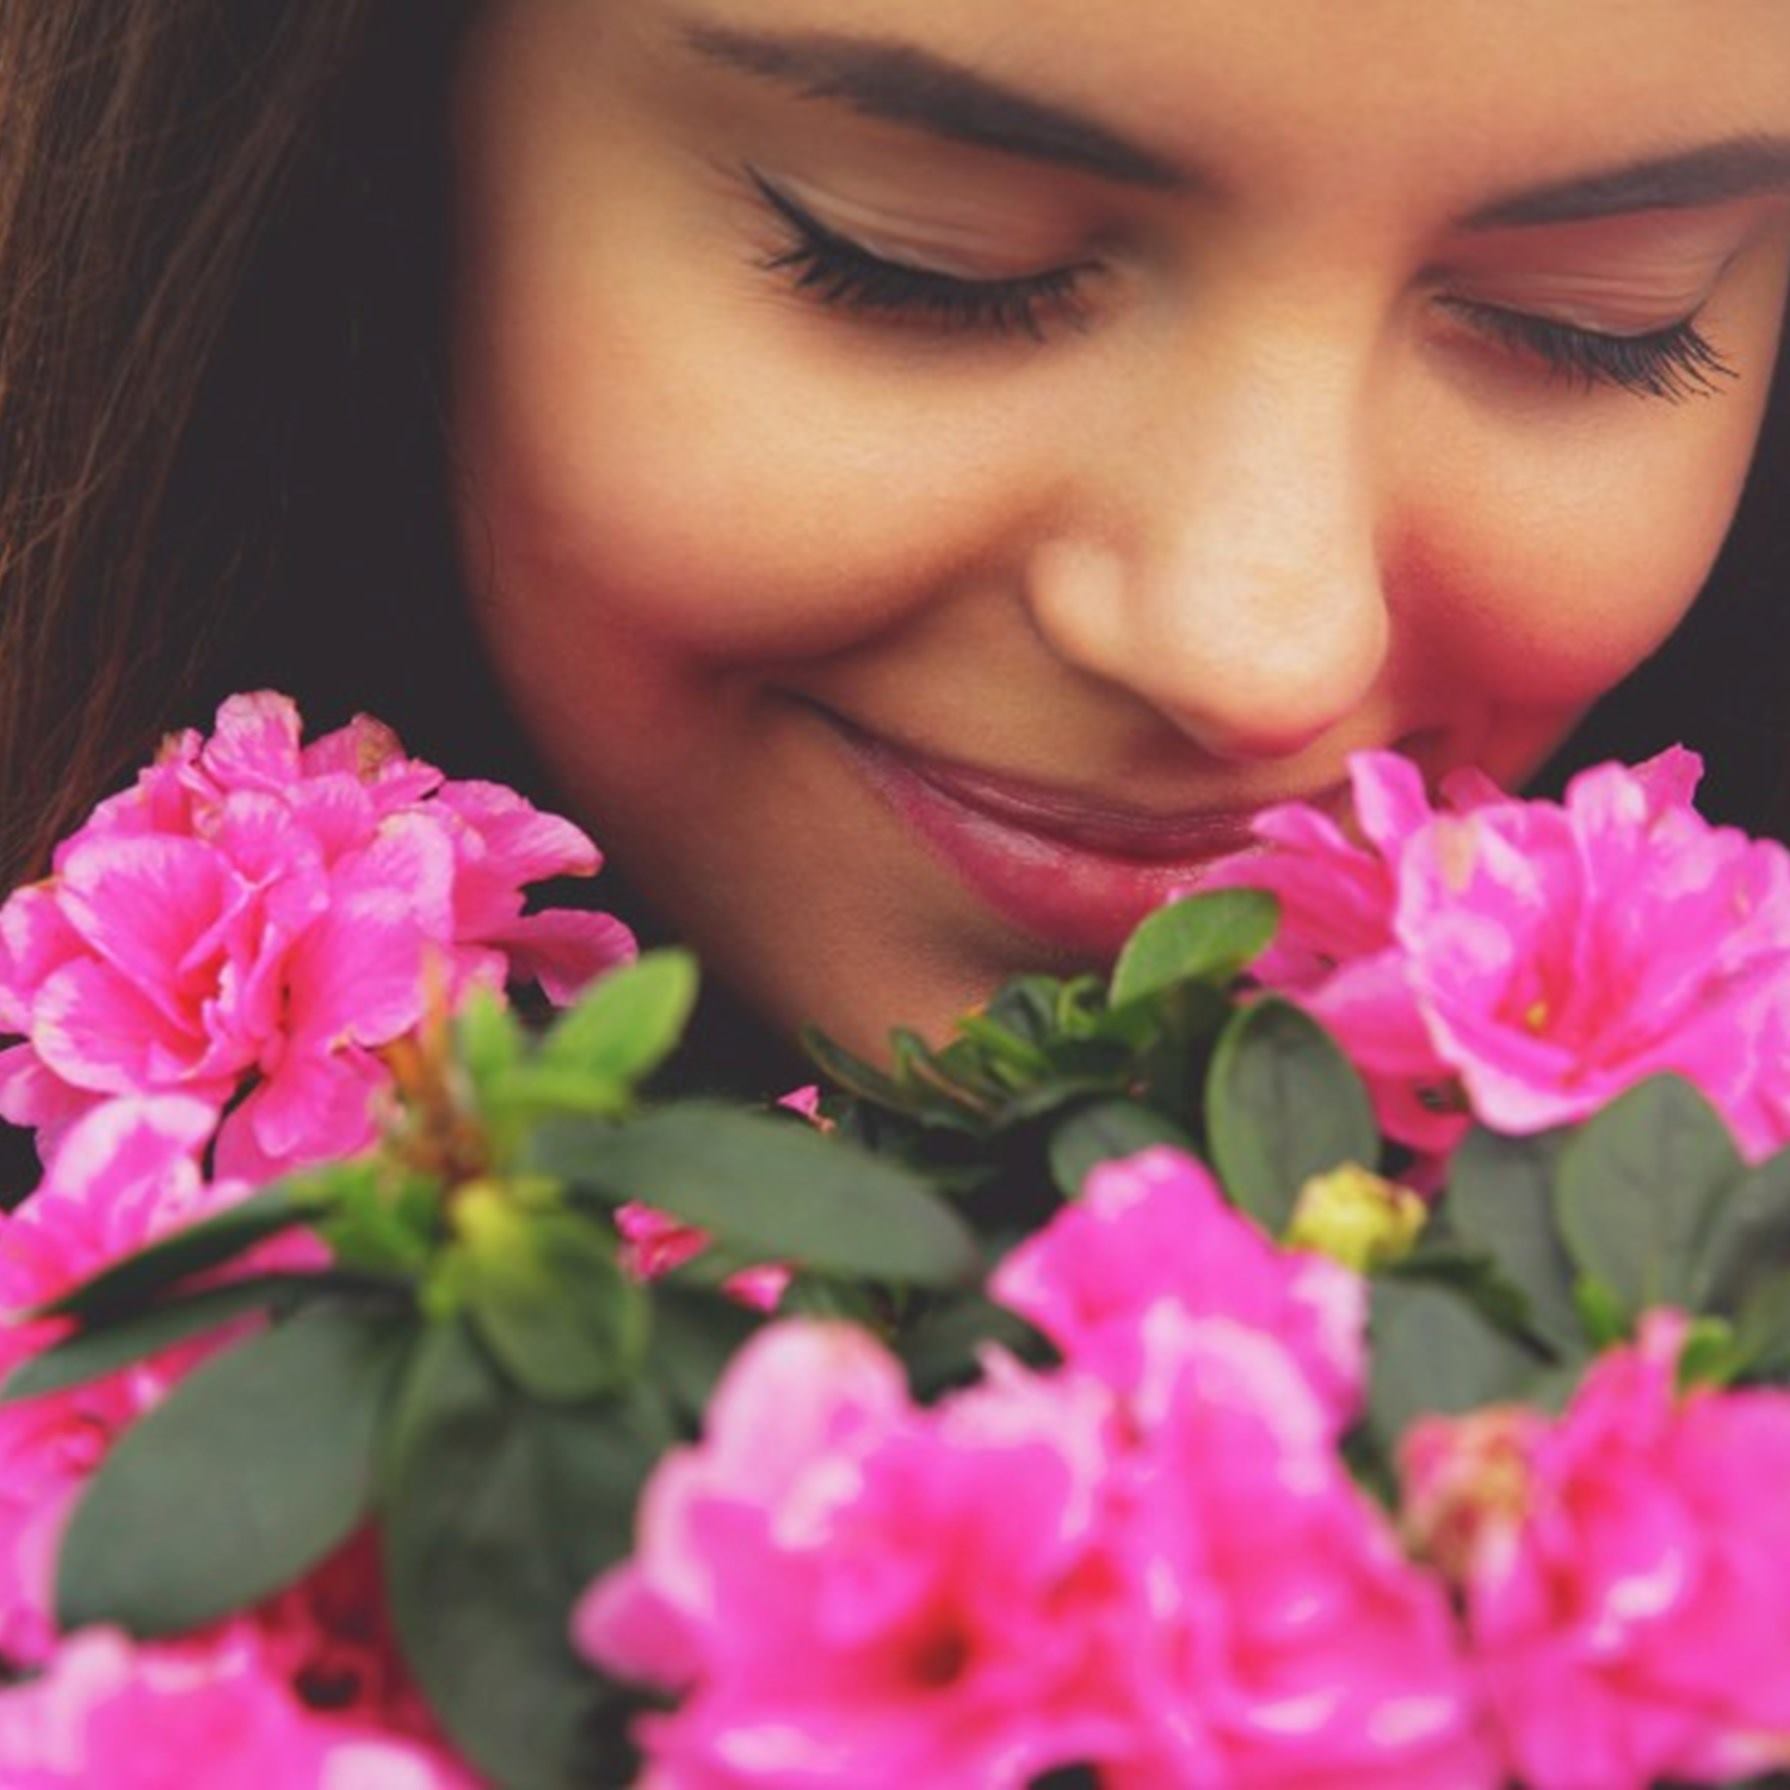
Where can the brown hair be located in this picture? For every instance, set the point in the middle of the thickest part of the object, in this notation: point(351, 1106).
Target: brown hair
point(221, 246)
point(222, 465)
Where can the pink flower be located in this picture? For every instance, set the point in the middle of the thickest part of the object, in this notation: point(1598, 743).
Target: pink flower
point(1155, 1228)
point(1560, 954)
point(1276, 1634)
point(855, 1592)
point(1625, 1570)
point(211, 1714)
point(1526, 962)
point(263, 916)
point(124, 1175)
point(655, 1244)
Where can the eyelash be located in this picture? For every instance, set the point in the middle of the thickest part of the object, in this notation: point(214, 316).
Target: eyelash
point(838, 272)
point(1673, 363)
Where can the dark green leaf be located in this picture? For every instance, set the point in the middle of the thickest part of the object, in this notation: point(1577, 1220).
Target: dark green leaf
point(1282, 1105)
point(1432, 1352)
point(693, 1337)
point(772, 1191)
point(941, 1351)
point(629, 1022)
point(210, 1243)
point(1500, 1200)
point(1748, 1239)
point(555, 1308)
point(1028, 1007)
point(1640, 1189)
point(1762, 1330)
point(1204, 938)
point(1106, 1132)
point(863, 1079)
point(496, 1514)
point(249, 1472)
point(89, 1354)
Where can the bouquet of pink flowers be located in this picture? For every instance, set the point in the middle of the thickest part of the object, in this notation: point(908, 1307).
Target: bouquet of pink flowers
point(1347, 1346)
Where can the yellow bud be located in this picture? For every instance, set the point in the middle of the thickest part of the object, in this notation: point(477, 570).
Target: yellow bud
point(1361, 1219)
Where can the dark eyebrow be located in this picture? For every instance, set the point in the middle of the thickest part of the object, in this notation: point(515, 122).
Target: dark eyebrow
point(903, 84)
point(1739, 168)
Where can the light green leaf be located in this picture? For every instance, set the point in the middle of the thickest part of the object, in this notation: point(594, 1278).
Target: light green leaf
point(629, 1022)
point(555, 1308)
point(1205, 938)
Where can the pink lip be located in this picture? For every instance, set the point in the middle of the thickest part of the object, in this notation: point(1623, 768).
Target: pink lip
point(1074, 873)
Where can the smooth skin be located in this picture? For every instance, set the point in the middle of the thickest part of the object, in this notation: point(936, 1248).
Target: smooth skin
point(1282, 480)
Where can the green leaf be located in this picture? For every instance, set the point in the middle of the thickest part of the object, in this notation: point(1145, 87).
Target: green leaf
point(1640, 1190)
point(1500, 1200)
point(1106, 1132)
point(1432, 1352)
point(489, 1036)
point(1762, 1330)
point(251, 1471)
point(137, 1279)
point(89, 1354)
point(1604, 1316)
point(1748, 1239)
point(496, 1513)
point(862, 1079)
point(532, 1090)
point(1282, 1105)
point(941, 1350)
point(554, 1307)
point(772, 1191)
point(1712, 1354)
point(629, 1022)
point(1203, 938)
point(693, 1337)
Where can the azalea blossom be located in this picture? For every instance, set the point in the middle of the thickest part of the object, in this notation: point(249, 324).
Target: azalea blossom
point(1155, 1227)
point(855, 1592)
point(1625, 1570)
point(1524, 962)
point(260, 915)
point(215, 1713)
point(1277, 1634)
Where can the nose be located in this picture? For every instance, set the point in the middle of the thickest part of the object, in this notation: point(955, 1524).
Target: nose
point(1226, 569)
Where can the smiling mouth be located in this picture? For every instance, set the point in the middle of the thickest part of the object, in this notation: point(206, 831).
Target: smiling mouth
point(1074, 873)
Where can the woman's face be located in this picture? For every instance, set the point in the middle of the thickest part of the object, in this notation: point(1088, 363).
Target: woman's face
point(934, 467)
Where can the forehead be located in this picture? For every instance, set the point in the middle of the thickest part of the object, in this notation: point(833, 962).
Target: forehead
point(1458, 95)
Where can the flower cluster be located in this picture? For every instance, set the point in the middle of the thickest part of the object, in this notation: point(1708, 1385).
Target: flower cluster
point(1625, 1569)
point(263, 915)
point(1150, 1559)
point(1524, 962)
point(210, 972)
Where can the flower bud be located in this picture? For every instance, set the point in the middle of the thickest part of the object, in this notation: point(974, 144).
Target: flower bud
point(1357, 1217)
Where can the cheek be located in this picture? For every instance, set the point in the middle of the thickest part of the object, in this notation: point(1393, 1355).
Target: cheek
point(1536, 578)
point(655, 467)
